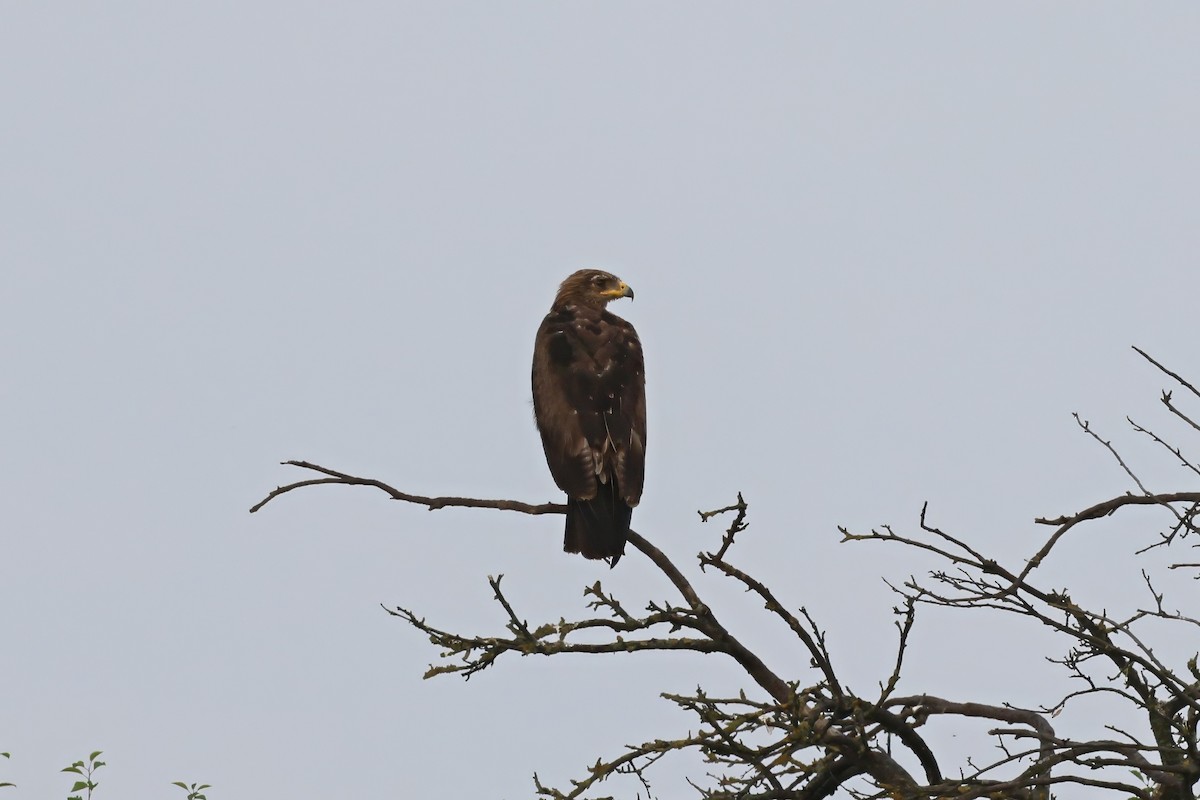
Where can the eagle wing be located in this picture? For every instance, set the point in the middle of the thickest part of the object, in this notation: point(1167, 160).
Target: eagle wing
point(589, 399)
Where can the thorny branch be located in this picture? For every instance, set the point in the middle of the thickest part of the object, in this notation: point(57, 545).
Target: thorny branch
point(796, 739)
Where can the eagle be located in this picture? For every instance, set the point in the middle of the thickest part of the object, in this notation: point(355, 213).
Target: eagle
point(589, 401)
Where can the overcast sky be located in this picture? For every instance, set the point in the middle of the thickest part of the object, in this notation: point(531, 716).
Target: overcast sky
point(881, 253)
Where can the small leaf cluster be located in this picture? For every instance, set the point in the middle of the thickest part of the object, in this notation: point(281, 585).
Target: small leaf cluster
point(195, 791)
point(86, 770)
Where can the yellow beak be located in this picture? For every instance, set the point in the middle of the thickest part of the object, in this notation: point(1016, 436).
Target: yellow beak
point(622, 290)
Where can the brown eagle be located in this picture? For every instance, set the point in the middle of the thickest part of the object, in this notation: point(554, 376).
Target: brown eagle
point(589, 399)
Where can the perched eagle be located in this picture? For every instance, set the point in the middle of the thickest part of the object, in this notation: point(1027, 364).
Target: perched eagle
point(589, 399)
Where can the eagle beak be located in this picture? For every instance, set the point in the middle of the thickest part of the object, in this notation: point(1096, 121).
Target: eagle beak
point(622, 290)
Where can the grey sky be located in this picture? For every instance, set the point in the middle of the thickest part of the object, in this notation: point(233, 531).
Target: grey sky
point(880, 252)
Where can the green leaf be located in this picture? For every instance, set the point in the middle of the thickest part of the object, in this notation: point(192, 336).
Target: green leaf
point(73, 768)
point(79, 786)
point(92, 757)
point(6, 755)
point(203, 786)
point(180, 784)
point(7, 784)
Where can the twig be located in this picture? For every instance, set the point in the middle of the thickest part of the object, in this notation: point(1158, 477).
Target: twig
point(1182, 382)
point(737, 526)
point(1097, 511)
point(432, 503)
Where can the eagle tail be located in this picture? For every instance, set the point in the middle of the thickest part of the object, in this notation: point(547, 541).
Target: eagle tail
point(598, 528)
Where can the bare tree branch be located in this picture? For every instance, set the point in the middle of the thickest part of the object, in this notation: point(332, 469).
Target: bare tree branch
point(782, 738)
point(1096, 512)
point(432, 503)
point(1181, 381)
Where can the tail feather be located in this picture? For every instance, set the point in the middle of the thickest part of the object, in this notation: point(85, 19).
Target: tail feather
point(598, 528)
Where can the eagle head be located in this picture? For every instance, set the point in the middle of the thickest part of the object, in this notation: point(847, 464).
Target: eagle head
point(592, 287)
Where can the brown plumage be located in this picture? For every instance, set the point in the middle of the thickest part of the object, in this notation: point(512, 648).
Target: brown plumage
point(589, 399)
